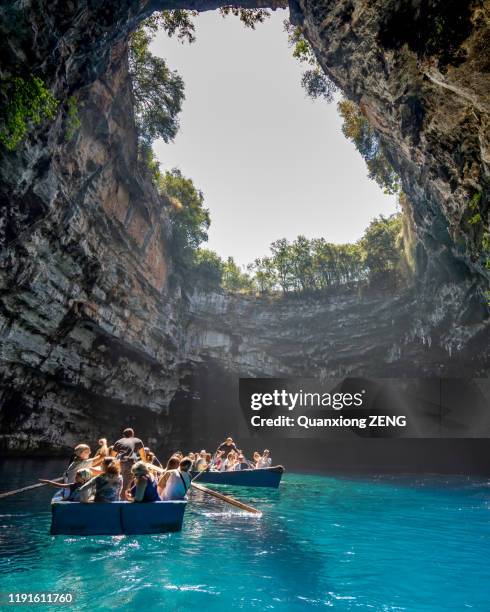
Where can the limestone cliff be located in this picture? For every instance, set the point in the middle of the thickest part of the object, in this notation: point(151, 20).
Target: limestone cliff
point(89, 326)
point(94, 328)
point(419, 70)
point(372, 333)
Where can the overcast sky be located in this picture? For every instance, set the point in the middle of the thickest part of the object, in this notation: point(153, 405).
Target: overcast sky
point(270, 162)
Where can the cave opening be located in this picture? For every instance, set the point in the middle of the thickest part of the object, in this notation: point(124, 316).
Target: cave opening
point(271, 161)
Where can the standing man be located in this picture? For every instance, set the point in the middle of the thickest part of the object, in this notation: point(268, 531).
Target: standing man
point(227, 446)
point(128, 451)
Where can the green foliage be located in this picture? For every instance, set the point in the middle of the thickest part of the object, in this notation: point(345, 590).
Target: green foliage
point(358, 129)
point(475, 219)
point(303, 266)
point(149, 163)
point(485, 242)
point(313, 80)
point(306, 266)
point(263, 274)
point(474, 203)
point(72, 119)
point(177, 22)
point(233, 279)
point(207, 269)
point(317, 85)
point(474, 207)
point(249, 17)
point(158, 91)
point(27, 103)
point(381, 245)
point(190, 219)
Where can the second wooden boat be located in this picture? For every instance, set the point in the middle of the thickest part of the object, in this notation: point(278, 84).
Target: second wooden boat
point(264, 477)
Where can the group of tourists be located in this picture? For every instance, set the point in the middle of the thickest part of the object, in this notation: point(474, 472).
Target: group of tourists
point(129, 471)
point(229, 458)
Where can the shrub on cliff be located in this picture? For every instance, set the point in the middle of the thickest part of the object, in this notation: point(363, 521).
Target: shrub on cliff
point(26, 102)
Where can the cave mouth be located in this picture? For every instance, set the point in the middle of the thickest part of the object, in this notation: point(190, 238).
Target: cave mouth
point(263, 179)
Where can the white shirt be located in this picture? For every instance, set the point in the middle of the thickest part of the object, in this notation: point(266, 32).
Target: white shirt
point(174, 488)
point(78, 464)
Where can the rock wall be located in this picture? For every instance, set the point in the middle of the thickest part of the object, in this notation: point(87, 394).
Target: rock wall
point(366, 332)
point(88, 323)
point(94, 331)
point(419, 70)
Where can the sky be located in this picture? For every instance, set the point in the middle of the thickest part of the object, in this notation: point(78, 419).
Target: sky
point(270, 162)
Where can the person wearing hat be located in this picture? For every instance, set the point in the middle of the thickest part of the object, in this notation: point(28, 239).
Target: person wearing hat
point(73, 494)
point(145, 485)
point(81, 459)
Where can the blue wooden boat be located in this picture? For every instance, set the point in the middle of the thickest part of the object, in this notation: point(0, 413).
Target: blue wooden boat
point(117, 518)
point(262, 477)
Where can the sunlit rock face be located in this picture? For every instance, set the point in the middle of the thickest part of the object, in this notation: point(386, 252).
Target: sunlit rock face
point(419, 70)
point(376, 333)
point(90, 327)
point(95, 331)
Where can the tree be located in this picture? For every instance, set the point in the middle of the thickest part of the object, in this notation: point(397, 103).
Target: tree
point(283, 265)
point(190, 219)
point(158, 92)
point(233, 279)
point(208, 269)
point(302, 262)
point(381, 246)
point(249, 17)
point(313, 80)
point(358, 129)
point(263, 274)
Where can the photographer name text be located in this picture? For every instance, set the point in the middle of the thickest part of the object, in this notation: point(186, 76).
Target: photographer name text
point(333, 401)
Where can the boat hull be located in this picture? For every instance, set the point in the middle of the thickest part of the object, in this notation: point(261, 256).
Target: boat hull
point(266, 477)
point(117, 518)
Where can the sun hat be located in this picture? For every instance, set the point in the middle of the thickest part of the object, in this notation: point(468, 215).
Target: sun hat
point(85, 474)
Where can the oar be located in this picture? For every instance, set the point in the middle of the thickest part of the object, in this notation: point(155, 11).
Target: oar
point(225, 498)
point(34, 486)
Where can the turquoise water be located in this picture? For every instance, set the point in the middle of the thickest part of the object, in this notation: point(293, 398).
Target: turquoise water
point(374, 543)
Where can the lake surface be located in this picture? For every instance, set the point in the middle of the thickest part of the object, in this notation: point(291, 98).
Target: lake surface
point(374, 543)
